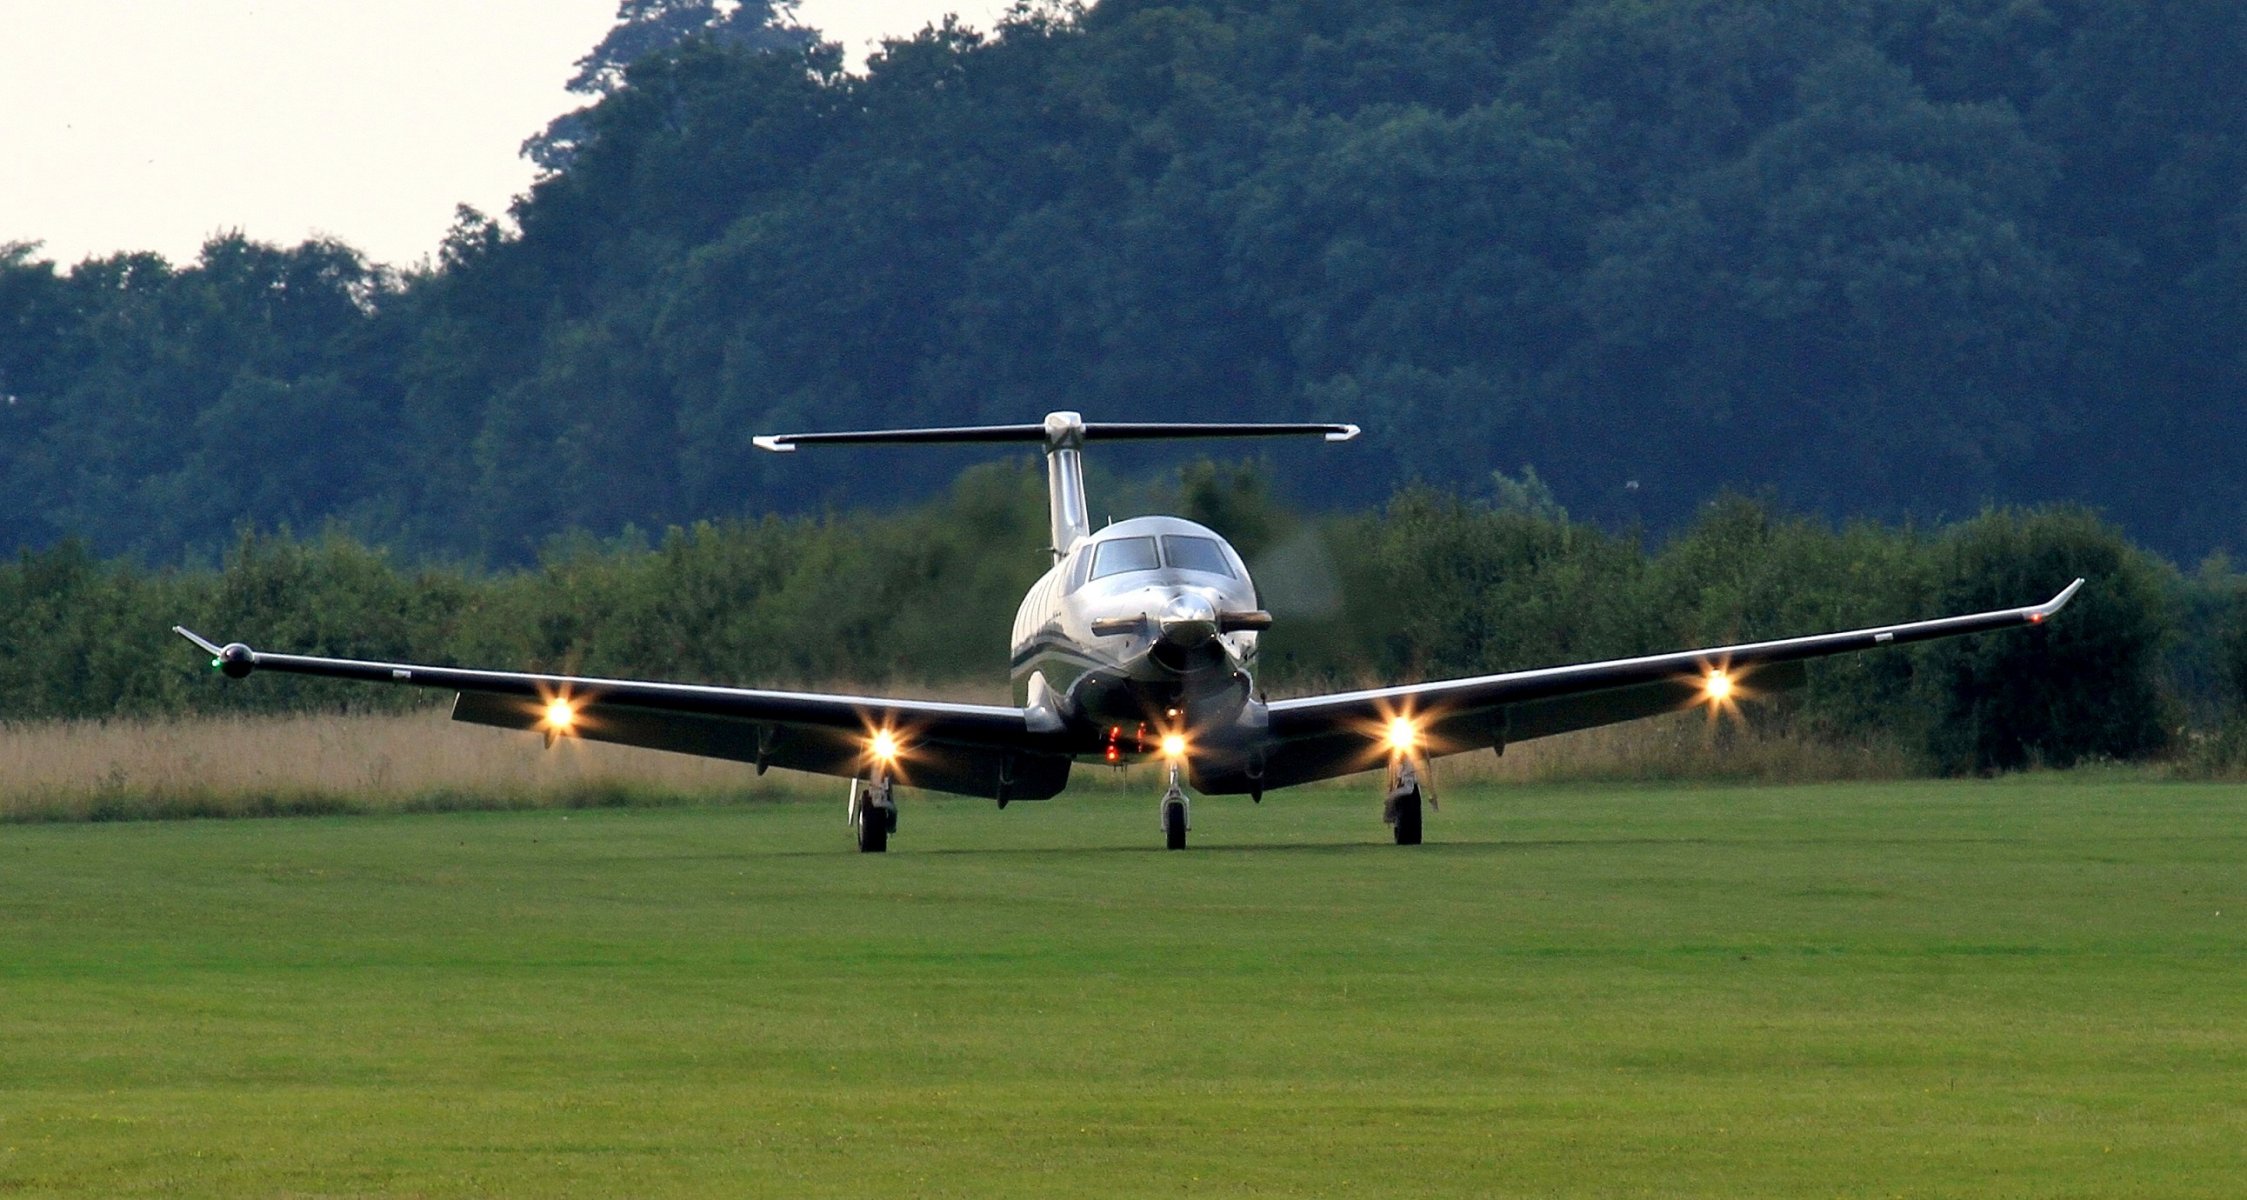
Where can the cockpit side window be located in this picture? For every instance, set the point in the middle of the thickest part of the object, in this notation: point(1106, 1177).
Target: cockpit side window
point(1079, 572)
point(1123, 554)
point(1196, 554)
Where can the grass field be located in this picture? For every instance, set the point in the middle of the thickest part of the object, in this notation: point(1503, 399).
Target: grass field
point(2028, 987)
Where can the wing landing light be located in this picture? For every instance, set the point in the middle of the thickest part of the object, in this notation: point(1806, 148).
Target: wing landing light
point(1402, 735)
point(559, 715)
point(883, 747)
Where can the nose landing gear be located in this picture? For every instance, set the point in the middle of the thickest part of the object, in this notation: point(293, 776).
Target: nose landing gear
point(1177, 812)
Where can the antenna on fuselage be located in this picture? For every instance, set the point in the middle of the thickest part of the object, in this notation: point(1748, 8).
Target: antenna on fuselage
point(1064, 435)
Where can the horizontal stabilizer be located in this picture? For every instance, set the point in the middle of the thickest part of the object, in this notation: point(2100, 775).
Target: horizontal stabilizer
point(1062, 435)
point(1054, 434)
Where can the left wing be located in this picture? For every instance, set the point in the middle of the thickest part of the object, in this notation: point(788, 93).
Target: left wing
point(971, 749)
point(1319, 737)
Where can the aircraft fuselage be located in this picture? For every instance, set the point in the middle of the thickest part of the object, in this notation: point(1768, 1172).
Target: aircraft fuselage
point(1124, 638)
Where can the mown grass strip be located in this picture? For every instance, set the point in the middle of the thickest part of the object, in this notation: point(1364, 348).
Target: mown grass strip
point(2024, 987)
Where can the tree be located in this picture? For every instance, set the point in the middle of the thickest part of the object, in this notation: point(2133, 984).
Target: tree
point(646, 28)
point(2085, 686)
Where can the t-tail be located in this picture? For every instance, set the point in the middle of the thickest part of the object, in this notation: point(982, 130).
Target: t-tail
point(1064, 435)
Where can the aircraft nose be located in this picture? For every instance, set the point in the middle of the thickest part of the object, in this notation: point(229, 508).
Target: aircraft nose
point(1189, 619)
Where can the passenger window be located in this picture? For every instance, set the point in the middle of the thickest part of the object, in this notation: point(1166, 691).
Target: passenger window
point(1196, 554)
point(1123, 554)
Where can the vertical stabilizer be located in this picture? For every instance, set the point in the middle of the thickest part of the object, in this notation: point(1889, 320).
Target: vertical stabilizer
point(1064, 480)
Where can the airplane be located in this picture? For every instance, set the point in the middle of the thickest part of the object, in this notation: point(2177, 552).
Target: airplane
point(1137, 645)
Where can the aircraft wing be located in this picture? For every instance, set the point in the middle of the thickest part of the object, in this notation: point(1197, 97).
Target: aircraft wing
point(972, 749)
point(1319, 737)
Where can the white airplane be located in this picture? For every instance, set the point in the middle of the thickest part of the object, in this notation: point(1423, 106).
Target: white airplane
point(1138, 645)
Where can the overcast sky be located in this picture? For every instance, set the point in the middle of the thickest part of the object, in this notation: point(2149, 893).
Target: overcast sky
point(151, 124)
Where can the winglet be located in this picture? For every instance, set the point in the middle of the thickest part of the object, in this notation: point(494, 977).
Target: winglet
point(233, 660)
point(778, 443)
point(2042, 611)
point(208, 646)
point(1343, 434)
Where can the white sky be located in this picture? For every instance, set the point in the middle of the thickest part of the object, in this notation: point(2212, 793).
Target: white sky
point(151, 124)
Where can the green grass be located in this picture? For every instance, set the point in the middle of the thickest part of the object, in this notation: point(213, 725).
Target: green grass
point(2028, 987)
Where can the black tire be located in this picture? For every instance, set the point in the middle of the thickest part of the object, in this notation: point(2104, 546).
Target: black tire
point(1174, 825)
point(873, 831)
point(1408, 818)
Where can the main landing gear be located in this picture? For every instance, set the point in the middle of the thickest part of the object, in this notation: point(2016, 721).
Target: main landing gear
point(1401, 811)
point(873, 812)
point(1177, 812)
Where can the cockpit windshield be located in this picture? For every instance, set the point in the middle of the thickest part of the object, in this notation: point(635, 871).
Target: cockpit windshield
point(1123, 554)
point(1196, 554)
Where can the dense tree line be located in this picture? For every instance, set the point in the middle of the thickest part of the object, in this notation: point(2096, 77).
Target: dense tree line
point(2146, 660)
point(1892, 260)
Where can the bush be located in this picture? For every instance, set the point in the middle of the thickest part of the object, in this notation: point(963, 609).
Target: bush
point(2084, 686)
point(1431, 587)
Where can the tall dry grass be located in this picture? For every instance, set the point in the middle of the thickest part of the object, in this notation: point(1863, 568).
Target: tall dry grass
point(422, 761)
point(276, 765)
point(1683, 746)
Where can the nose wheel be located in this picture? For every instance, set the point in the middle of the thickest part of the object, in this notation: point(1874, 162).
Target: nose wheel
point(1176, 813)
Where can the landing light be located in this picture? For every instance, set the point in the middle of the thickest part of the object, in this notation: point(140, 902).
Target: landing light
point(1174, 745)
point(883, 747)
point(1403, 734)
point(1718, 686)
point(560, 715)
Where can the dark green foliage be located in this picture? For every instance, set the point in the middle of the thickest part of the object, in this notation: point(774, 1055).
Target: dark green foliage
point(82, 637)
point(331, 596)
point(2084, 687)
point(1462, 590)
point(1236, 498)
point(1897, 260)
point(1893, 262)
point(2234, 645)
point(1430, 586)
point(1743, 573)
point(164, 405)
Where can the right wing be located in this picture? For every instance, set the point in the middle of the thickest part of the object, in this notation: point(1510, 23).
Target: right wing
point(1320, 737)
point(972, 749)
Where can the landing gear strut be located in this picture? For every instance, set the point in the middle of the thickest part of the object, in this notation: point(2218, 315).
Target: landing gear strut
point(1402, 809)
point(873, 812)
point(1176, 813)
